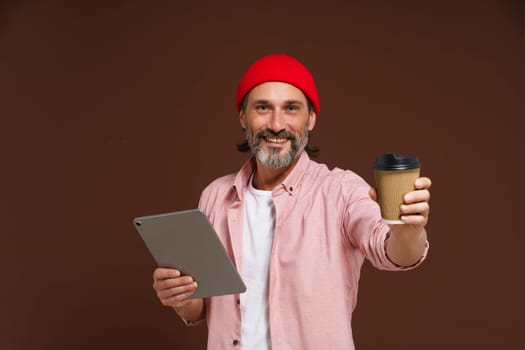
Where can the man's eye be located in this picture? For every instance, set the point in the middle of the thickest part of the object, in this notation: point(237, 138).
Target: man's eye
point(292, 108)
point(261, 107)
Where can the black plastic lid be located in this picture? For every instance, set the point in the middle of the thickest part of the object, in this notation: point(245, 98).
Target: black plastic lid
point(391, 161)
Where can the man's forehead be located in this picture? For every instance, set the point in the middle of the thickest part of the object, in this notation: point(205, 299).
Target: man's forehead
point(277, 91)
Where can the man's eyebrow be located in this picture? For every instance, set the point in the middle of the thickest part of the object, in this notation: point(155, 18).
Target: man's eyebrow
point(294, 102)
point(286, 102)
point(261, 101)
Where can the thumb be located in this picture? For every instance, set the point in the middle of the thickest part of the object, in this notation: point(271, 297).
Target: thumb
point(373, 194)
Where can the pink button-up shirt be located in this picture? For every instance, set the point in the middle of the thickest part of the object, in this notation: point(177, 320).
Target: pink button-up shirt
point(325, 226)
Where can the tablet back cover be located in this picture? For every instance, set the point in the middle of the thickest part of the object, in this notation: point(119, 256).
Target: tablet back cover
point(187, 241)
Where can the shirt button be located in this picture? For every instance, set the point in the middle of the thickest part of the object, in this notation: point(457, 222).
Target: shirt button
point(235, 342)
point(238, 301)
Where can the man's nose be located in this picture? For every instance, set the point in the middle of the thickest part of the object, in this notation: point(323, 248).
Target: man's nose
point(276, 122)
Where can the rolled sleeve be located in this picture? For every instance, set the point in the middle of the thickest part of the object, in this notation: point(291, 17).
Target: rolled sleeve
point(395, 267)
point(368, 232)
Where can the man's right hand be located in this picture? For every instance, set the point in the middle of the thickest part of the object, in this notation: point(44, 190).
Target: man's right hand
point(173, 289)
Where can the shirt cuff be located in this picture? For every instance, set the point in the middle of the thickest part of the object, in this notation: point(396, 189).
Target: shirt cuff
point(191, 323)
point(405, 268)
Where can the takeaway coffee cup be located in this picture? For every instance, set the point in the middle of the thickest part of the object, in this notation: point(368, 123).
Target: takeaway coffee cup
point(394, 175)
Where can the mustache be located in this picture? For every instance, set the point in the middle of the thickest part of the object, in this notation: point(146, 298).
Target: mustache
point(282, 133)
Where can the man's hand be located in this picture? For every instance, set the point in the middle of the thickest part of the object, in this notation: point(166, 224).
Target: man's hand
point(406, 243)
point(415, 208)
point(173, 289)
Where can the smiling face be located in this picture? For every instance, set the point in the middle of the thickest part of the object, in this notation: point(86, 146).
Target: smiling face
point(277, 121)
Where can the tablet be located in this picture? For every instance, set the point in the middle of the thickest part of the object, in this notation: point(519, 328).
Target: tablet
point(186, 240)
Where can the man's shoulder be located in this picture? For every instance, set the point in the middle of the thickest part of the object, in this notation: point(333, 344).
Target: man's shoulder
point(217, 192)
point(222, 182)
point(323, 173)
point(336, 183)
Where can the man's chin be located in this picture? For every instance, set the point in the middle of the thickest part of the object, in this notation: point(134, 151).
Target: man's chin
point(279, 150)
point(275, 160)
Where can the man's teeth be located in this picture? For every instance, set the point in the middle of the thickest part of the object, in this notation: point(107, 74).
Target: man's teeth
point(277, 139)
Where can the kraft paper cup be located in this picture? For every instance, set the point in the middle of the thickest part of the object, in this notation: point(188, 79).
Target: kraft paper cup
point(394, 175)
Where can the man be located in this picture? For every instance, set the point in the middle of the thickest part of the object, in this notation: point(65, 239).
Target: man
point(297, 231)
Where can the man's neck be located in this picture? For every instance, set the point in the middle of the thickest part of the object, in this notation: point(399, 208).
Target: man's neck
point(267, 179)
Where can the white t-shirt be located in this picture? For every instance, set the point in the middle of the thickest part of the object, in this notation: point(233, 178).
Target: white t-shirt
point(259, 223)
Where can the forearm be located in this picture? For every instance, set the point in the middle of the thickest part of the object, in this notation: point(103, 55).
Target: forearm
point(191, 310)
point(405, 246)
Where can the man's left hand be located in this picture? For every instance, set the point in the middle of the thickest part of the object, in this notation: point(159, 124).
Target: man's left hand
point(415, 208)
point(407, 242)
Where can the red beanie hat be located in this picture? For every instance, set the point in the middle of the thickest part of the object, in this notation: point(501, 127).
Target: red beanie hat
point(282, 68)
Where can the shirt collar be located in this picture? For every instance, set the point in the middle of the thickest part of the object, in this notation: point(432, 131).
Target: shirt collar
point(290, 184)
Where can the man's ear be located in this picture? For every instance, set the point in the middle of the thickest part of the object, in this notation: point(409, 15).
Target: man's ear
point(311, 122)
point(242, 119)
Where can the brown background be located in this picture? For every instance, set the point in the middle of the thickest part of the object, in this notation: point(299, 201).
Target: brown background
point(115, 109)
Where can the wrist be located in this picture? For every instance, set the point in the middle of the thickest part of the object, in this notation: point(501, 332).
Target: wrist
point(190, 310)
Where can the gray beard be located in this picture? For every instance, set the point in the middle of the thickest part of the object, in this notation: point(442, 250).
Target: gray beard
point(272, 159)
